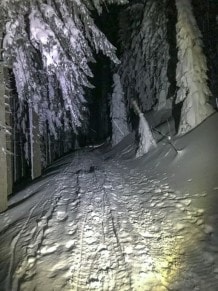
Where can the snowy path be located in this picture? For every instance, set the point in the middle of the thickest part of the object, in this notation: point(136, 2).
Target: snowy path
point(103, 226)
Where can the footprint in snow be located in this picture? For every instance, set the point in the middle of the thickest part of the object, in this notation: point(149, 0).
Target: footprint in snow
point(48, 250)
point(70, 244)
point(61, 216)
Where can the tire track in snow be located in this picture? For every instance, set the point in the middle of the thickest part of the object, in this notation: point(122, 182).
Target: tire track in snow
point(106, 241)
point(12, 282)
point(124, 272)
point(126, 231)
point(13, 248)
point(111, 243)
point(132, 244)
point(84, 209)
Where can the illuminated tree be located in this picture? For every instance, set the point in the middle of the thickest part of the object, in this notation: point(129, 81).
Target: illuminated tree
point(49, 45)
point(191, 73)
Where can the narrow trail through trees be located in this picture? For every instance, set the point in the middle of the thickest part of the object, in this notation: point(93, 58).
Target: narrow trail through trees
point(102, 225)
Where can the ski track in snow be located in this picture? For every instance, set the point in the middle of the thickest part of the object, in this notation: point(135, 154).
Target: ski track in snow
point(108, 227)
point(12, 282)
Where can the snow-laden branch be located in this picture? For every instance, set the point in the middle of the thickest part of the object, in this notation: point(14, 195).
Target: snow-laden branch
point(94, 35)
point(57, 42)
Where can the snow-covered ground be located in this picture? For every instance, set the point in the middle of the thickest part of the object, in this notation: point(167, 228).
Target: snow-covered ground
point(103, 220)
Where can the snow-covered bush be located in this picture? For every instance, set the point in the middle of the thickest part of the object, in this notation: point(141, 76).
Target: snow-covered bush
point(118, 112)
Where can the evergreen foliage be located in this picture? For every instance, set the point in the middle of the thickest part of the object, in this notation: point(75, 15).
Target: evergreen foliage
point(49, 50)
point(145, 53)
point(191, 70)
point(49, 45)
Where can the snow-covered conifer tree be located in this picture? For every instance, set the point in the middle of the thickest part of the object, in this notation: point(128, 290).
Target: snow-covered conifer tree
point(145, 53)
point(146, 139)
point(63, 40)
point(118, 112)
point(49, 45)
point(191, 70)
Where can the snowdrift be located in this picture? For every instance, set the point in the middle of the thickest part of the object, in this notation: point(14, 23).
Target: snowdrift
point(193, 168)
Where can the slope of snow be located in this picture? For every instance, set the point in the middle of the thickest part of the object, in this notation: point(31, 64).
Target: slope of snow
point(195, 167)
point(102, 219)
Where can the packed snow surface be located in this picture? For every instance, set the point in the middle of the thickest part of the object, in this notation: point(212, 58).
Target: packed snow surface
point(103, 220)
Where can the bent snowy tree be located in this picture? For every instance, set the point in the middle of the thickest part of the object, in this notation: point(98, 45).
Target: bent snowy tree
point(146, 139)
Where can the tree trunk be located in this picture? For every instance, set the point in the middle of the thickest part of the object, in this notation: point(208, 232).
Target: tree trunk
point(3, 155)
point(36, 169)
point(9, 136)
